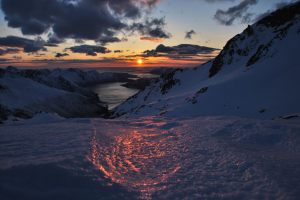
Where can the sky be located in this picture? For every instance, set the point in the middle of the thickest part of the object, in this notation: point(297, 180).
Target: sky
point(122, 33)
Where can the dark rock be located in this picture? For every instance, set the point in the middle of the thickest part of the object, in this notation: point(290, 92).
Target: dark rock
point(219, 61)
point(261, 51)
point(290, 117)
point(202, 90)
point(168, 81)
point(139, 84)
point(262, 110)
point(194, 98)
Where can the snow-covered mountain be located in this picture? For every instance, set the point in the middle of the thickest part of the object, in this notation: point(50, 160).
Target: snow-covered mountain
point(23, 93)
point(88, 77)
point(255, 75)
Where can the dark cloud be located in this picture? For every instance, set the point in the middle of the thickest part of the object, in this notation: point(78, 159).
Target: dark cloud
point(28, 45)
point(60, 55)
point(90, 50)
point(183, 52)
point(151, 28)
point(182, 49)
point(4, 60)
point(16, 57)
point(77, 62)
point(165, 49)
point(79, 41)
point(77, 19)
point(227, 17)
point(118, 51)
point(116, 60)
point(54, 40)
point(108, 39)
point(189, 34)
point(4, 51)
point(39, 55)
point(125, 8)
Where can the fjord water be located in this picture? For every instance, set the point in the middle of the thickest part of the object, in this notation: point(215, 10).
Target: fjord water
point(113, 94)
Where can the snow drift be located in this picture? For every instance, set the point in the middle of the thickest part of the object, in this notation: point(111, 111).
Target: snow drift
point(150, 158)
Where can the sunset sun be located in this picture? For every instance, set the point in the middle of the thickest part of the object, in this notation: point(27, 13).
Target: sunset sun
point(140, 61)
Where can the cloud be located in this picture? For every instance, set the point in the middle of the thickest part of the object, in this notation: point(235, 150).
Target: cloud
point(189, 34)
point(89, 50)
point(108, 39)
point(116, 60)
point(183, 53)
point(152, 39)
point(16, 57)
point(4, 51)
point(227, 17)
point(124, 8)
point(151, 28)
point(75, 19)
point(28, 45)
point(4, 60)
point(118, 51)
point(54, 40)
point(182, 49)
point(60, 55)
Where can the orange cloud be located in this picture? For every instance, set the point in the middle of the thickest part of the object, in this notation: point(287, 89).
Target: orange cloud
point(152, 39)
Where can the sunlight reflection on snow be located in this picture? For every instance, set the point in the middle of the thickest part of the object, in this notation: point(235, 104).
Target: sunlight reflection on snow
point(131, 157)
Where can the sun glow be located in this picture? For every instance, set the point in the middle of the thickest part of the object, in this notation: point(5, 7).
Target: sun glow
point(140, 61)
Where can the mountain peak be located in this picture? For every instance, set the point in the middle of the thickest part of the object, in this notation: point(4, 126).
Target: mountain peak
point(252, 42)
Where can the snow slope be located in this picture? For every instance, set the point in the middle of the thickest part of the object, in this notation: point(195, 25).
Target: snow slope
point(150, 157)
point(28, 92)
point(255, 75)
